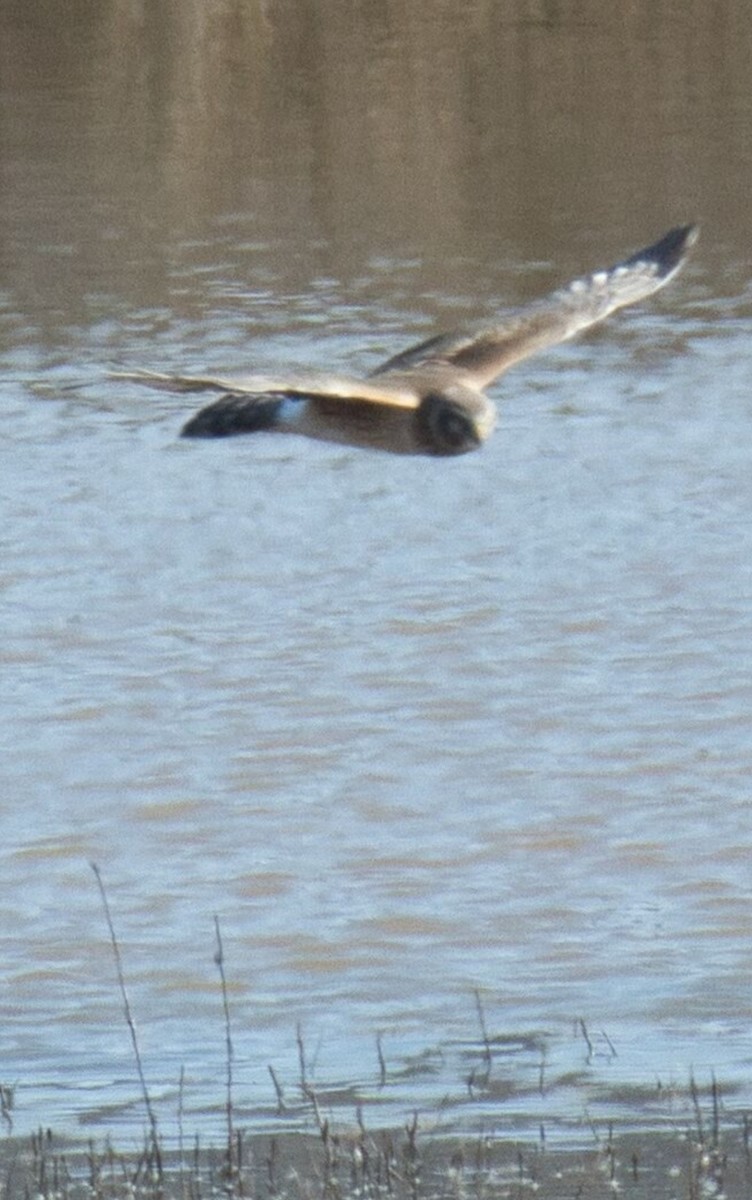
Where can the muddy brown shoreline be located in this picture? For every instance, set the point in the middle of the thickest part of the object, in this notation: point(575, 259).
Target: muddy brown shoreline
point(705, 1153)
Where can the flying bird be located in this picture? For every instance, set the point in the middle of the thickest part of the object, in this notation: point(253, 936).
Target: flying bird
point(431, 397)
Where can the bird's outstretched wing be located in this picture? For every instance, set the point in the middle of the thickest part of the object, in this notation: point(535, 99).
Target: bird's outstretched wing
point(481, 355)
point(294, 387)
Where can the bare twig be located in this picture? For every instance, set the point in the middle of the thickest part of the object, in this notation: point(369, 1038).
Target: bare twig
point(609, 1043)
point(181, 1093)
point(278, 1089)
point(130, 1023)
point(488, 1057)
point(382, 1061)
point(716, 1100)
point(233, 1163)
point(695, 1095)
point(542, 1071)
point(588, 1043)
point(7, 1100)
point(301, 1060)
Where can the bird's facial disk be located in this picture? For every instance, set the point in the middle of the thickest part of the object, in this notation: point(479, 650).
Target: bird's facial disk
point(454, 423)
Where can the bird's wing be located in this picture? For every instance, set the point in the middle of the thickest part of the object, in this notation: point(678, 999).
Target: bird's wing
point(294, 387)
point(483, 354)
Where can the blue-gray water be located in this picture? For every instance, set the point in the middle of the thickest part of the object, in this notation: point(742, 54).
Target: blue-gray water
point(411, 728)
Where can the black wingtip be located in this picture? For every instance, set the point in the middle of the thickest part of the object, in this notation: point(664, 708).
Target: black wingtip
point(233, 414)
point(669, 252)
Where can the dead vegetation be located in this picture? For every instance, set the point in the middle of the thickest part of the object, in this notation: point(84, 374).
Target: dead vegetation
point(708, 1159)
point(697, 1149)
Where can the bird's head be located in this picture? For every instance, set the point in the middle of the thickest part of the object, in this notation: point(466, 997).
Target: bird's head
point(454, 420)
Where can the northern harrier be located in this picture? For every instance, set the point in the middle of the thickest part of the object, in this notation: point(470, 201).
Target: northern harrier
point(431, 397)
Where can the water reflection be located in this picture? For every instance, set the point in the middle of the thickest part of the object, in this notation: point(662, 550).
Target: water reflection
point(485, 131)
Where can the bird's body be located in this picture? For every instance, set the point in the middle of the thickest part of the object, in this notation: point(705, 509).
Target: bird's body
point(431, 397)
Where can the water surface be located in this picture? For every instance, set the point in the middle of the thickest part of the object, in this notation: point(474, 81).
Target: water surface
point(412, 729)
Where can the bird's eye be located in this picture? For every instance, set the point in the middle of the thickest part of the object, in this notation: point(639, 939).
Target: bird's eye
point(454, 428)
point(445, 427)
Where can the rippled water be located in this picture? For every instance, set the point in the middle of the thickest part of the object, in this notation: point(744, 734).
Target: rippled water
point(412, 729)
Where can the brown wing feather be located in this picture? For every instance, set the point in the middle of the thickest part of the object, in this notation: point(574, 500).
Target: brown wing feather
point(481, 355)
point(295, 387)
